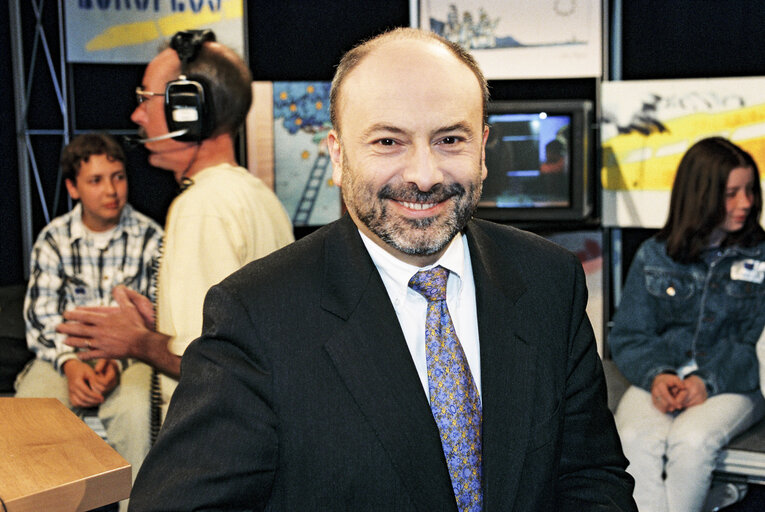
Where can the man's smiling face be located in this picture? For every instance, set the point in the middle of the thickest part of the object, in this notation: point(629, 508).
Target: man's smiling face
point(410, 158)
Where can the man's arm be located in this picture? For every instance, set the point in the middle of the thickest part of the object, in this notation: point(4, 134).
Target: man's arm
point(120, 332)
point(218, 447)
point(592, 472)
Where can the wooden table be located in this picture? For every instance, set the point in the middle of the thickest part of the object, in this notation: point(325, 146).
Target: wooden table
point(51, 460)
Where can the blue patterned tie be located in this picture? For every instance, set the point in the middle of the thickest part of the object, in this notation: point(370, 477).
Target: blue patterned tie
point(454, 398)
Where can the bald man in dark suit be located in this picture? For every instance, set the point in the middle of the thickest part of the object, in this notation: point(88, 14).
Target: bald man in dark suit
point(313, 384)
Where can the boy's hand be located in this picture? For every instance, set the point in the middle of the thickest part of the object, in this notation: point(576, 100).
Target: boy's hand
point(79, 376)
point(106, 378)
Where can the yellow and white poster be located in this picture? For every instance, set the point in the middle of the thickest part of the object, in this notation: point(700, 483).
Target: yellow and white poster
point(132, 31)
point(648, 125)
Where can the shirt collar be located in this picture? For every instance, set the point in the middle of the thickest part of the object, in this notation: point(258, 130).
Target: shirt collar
point(397, 273)
point(127, 222)
point(732, 250)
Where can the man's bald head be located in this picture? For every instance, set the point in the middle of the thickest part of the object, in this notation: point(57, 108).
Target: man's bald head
point(354, 56)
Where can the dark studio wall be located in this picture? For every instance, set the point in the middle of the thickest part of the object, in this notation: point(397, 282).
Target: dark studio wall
point(10, 222)
point(299, 40)
point(692, 38)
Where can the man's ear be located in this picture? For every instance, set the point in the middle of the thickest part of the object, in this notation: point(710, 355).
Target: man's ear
point(72, 189)
point(336, 155)
point(484, 170)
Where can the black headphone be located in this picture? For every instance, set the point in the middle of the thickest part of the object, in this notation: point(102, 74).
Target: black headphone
point(188, 101)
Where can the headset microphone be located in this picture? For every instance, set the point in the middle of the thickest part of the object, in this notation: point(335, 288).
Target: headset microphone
point(135, 140)
point(189, 111)
point(169, 135)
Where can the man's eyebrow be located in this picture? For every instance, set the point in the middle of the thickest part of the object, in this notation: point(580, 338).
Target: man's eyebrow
point(457, 127)
point(382, 127)
point(461, 126)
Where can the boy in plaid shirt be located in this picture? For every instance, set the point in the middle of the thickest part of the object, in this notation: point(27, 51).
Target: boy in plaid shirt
point(76, 261)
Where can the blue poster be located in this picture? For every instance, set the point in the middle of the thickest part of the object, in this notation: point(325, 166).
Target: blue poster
point(132, 31)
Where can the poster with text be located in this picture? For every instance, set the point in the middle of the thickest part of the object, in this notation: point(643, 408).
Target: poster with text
point(132, 31)
point(648, 125)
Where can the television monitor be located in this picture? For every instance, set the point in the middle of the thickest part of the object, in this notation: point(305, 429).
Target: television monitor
point(539, 162)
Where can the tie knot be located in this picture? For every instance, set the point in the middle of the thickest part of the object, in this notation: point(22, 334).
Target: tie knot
point(431, 284)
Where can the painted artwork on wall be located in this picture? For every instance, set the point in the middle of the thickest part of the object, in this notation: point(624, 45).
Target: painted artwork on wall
point(128, 31)
point(287, 129)
point(588, 246)
point(647, 126)
point(302, 170)
point(513, 39)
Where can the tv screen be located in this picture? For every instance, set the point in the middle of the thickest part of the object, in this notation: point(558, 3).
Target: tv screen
point(538, 161)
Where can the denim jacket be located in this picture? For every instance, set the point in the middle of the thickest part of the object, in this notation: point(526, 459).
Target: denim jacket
point(701, 318)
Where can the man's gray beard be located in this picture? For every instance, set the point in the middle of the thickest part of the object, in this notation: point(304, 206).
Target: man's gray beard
point(422, 243)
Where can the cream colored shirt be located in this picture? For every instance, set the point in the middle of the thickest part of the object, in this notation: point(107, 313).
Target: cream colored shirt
point(225, 219)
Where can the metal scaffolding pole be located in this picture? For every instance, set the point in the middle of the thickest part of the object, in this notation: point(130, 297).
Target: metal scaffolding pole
point(29, 174)
point(25, 194)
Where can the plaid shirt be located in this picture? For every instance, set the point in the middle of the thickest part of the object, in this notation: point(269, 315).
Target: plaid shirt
point(67, 271)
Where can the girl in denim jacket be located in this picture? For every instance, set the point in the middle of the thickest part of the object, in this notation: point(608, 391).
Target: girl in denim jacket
point(685, 332)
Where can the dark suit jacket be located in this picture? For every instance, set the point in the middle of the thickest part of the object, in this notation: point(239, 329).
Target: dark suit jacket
point(301, 393)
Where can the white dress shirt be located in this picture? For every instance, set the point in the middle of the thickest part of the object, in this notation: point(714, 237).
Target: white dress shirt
point(411, 307)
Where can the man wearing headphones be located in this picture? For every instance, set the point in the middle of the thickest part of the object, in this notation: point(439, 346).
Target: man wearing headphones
point(194, 97)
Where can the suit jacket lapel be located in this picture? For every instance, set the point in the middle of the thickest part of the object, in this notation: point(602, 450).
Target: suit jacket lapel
point(371, 355)
point(507, 369)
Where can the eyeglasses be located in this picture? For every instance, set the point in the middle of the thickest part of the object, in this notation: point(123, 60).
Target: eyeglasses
point(142, 95)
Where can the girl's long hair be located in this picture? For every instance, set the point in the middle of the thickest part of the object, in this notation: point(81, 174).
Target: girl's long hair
point(697, 204)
